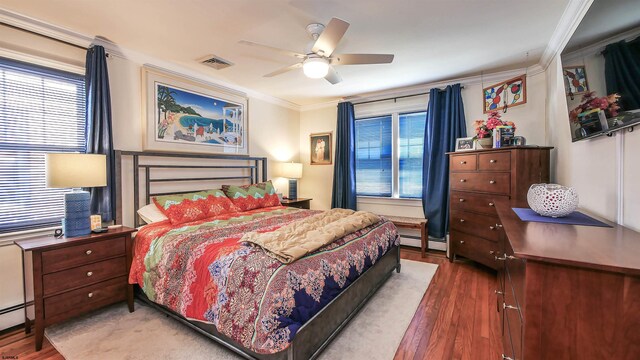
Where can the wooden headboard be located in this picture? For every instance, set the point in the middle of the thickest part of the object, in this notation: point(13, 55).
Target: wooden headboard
point(147, 167)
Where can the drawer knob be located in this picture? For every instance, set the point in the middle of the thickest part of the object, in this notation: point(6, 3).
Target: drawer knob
point(90, 295)
point(498, 292)
point(463, 180)
point(462, 162)
point(492, 252)
point(88, 252)
point(498, 225)
point(507, 307)
point(491, 227)
point(510, 257)
point(492, 181)
point(500, 258)
point(490, 204)
point(462, 220)
point(89, 273)
point(505, 357)
point(493, 161)
point(461, 241)
point(461, 200)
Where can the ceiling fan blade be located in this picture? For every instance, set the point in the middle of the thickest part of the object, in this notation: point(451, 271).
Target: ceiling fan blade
point(356, 59)
point(282, 51)
point(330, 36)
point(332, 76)
point(284, 70)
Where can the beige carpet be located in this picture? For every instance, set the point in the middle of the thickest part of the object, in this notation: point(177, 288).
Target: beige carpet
point(114, 333)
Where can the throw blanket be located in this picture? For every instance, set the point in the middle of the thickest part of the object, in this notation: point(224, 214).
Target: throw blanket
point(293, 241)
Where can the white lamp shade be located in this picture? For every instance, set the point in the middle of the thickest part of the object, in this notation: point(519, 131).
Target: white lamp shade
point(73, 170)
point(315, 68)
point(291, 170)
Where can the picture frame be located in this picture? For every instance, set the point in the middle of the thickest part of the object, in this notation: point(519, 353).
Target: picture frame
point(181, 114)
point(465, 144)
point(321, 148)
point(575, 80)
point(512, 92)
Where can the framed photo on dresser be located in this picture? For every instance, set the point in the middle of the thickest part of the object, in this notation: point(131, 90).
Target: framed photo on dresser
point(321, 153)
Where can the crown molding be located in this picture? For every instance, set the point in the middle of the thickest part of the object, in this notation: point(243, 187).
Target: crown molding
point(569, 21)
point(74, 37)
point(600, 45)
point(322, 105)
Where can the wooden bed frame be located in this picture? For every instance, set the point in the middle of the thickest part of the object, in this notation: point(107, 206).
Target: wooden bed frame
point(316, 333)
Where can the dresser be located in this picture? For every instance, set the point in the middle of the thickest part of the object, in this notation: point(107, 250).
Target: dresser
point(477, 180)
point(72, 276)
point(566, 291)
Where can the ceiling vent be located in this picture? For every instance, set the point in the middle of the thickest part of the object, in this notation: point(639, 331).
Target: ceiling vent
point(215, 62)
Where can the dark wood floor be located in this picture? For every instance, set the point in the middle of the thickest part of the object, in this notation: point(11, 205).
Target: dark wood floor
point(456, 319)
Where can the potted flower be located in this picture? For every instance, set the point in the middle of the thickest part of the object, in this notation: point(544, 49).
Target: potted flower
point(485, 128)
point(608, 104)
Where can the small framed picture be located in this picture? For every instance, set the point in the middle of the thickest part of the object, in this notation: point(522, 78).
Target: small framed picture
point(465, 144)
point(321, 153)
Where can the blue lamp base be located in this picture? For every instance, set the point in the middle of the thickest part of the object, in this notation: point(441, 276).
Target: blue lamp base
point(293, 189)
point(77, 212)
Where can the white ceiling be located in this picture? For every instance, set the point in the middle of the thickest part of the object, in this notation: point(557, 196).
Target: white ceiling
point(433, 40)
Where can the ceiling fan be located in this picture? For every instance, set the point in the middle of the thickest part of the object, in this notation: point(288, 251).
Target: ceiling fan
point(318, 59)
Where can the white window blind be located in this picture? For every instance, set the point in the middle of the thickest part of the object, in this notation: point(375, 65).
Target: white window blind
point(373, 156)
point(41, 110)
point(411, 143)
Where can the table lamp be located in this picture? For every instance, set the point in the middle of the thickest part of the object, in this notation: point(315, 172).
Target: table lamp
point(293, 171)
point(73, 170)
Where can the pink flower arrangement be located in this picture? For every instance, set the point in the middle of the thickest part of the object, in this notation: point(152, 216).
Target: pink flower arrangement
point(590, 101)
point(484, 128)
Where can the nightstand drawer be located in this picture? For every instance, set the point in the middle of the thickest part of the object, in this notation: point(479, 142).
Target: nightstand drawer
point(83, 275)
point(65, 258)
point(76, 302)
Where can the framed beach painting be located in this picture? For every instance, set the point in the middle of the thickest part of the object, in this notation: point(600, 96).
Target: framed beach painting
point(506, 94)
point(183, 115)
point(321, 153)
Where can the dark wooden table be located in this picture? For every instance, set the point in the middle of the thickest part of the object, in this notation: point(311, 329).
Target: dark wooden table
point(300, 203)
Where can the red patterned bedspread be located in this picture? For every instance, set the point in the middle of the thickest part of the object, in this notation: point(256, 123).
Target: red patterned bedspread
point(200, 271)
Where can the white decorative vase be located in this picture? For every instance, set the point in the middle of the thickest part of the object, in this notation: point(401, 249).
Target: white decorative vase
point(552, 199)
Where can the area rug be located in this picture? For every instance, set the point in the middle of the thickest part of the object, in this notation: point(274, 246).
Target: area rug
point(114, 333)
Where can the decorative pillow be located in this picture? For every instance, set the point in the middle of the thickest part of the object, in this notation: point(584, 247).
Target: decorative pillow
point(183, 208)
point(252, 196)
point(150, 214)
point(218, 203)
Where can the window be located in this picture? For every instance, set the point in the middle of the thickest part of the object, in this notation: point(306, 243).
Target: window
point(389, 155)
point(41, 110)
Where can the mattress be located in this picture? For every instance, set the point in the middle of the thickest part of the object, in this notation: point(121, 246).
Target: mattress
point(201, 271)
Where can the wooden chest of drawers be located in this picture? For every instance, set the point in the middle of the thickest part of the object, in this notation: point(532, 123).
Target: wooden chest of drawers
point(477, 180)
point(72, 276)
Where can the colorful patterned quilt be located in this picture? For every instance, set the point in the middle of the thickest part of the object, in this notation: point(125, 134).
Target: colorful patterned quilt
point(201, 271)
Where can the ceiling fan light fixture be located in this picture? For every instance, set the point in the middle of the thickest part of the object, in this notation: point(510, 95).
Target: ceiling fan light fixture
point(316, 67)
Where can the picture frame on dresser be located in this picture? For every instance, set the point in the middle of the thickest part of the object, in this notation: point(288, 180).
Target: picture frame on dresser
point(465, 144)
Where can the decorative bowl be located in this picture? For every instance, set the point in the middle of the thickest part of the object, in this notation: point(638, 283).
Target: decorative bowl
point(552, 199)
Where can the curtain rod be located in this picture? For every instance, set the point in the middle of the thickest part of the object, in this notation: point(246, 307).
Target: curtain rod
point(394, 98)
point(45, 36)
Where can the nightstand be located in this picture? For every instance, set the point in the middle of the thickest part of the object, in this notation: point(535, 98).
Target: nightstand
point(72, 276)
point(300, 203)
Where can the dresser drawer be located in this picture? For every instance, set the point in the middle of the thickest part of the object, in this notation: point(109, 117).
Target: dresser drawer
point(469, 201)
point(83, 275)
point(474, 248)
point(475, 224)
point(76, 302)
point(513, 316)
point(494, 161)
point(498, 183)
point(65, 258)
point(463, 162)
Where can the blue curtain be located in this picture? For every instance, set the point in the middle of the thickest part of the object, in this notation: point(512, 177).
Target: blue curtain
point(622, 72)
point(344, 171)
point(445, 123)
point(99, 133)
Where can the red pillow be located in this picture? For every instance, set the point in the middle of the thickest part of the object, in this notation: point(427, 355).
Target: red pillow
point(252, 196)
point(184, 208)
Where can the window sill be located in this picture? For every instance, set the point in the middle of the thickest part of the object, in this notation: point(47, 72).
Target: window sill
point(9, 238)
point(378, 200)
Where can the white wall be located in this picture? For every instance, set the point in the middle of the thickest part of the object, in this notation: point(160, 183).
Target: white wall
point(603, 170)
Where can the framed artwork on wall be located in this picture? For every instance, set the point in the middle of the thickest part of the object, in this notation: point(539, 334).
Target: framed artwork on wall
point(185, 115)
point(321, 153)
point(575, 80)
point(510, 93)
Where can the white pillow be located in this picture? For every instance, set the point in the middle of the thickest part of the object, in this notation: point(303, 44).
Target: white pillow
point(150, 214)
